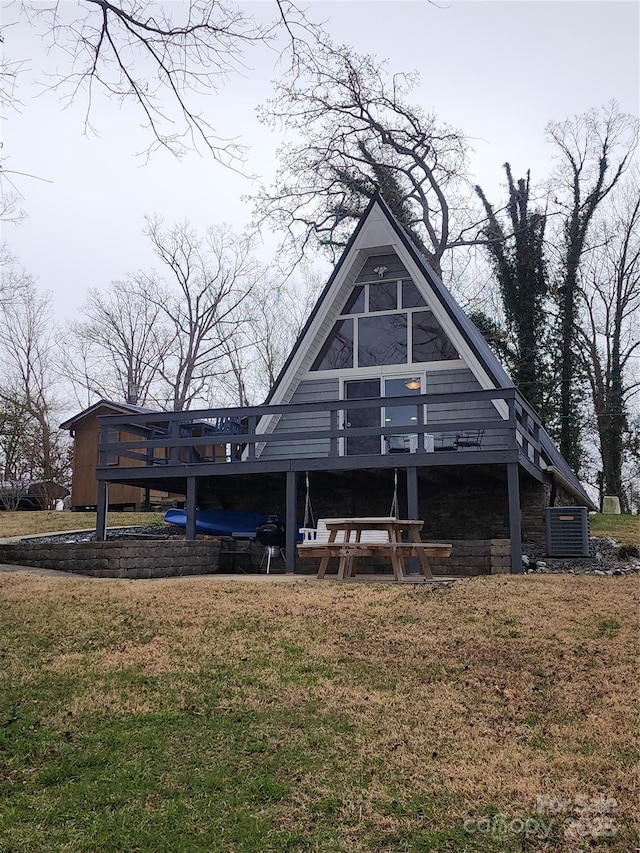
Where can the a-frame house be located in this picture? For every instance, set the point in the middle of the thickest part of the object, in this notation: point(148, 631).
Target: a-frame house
point(389, 384)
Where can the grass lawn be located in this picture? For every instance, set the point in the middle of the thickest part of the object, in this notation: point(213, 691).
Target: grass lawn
point(49, 521)
point(623, 528)
point(201, 715)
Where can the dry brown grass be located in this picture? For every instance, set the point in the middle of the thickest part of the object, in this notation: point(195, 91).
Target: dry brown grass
point(49, 521)
point(495, 691)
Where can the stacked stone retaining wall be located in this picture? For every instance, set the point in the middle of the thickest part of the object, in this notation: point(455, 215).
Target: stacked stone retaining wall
point(161, 558)
point(134, 559)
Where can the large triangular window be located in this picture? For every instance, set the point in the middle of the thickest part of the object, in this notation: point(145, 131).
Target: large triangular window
point(384, 323)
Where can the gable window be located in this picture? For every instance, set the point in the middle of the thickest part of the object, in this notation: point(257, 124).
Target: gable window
point(383, 296)
point(382, 340)
point(337, 351)
point(429, 340)
point(411, 296)
point(388, 323)
point(355, 303)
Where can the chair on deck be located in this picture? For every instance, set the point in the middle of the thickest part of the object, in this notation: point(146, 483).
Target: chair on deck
point(459, 440)
point(469, 438)
point(445, 441)
point(398, 443)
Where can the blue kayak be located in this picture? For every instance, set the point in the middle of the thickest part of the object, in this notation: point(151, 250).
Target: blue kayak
point(219, 522)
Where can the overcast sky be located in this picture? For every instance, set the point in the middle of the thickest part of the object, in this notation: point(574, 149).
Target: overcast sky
point(498, 70)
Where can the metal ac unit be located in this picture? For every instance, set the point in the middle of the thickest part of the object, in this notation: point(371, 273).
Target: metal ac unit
point(567, 531)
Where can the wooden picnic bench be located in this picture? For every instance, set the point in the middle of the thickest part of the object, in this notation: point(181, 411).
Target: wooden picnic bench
point(348, 539)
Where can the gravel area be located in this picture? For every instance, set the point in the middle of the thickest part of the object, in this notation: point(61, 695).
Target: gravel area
point(607, 557)
point(153, 531)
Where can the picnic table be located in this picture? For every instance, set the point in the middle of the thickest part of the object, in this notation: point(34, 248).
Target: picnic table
point(346, 541)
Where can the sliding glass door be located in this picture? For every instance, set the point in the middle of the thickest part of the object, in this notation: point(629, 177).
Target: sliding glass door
point(362, 389)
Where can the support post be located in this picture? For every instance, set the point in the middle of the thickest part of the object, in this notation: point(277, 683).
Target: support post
point(190, 533)
point(290, 542)
point(102, 510)
point(412, 492)
point(413, 565)
point(515, 524)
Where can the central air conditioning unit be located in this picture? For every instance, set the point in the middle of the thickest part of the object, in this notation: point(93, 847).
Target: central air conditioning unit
point(568, 531)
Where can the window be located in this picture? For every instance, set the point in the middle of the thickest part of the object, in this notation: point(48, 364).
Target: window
point(383, 296)
point(358, 418)
point(429, 340)
point(113, 437)
point(337, 351)
point(382, 340)
point(388, 323)
point(355, 303)
point(411, 296)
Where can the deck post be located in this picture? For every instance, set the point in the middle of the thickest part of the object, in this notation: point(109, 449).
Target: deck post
point(190, 533)
point(102, 510)
point(413, 564)
point(333, 426)
point(412, 492)
point(515, 523)
point(290, 542)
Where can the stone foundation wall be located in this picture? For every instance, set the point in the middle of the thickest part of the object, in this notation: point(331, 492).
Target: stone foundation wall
point(475, 557)
point(160, 558)
point(133, 559)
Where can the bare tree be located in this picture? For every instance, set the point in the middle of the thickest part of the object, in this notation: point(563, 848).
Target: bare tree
point(10, 198)
point(355, 132)
point(608, 331)
point(18, 441)
point(593, 151)
point(205, 303)
point(275, 315)
point(27, 347)
point(159, 56)
point(120, 346)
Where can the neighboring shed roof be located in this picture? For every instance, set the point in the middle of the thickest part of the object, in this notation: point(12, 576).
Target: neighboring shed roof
point(116, 409)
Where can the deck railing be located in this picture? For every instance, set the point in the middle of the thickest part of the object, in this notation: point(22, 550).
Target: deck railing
point(240, 434)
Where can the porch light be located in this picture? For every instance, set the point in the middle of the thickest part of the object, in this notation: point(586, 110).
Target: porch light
point(412, 384)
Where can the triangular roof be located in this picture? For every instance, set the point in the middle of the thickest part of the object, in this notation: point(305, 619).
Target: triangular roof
point(378, 233)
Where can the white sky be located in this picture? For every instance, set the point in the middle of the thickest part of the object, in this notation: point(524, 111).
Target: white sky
point(498, 70)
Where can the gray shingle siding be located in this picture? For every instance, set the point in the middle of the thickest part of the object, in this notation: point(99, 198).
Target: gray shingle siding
point(395, 268)
point(449, 382)
point(308, 391)
point(438, 382)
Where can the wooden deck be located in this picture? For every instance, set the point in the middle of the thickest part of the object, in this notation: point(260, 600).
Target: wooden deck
point(171, 459)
